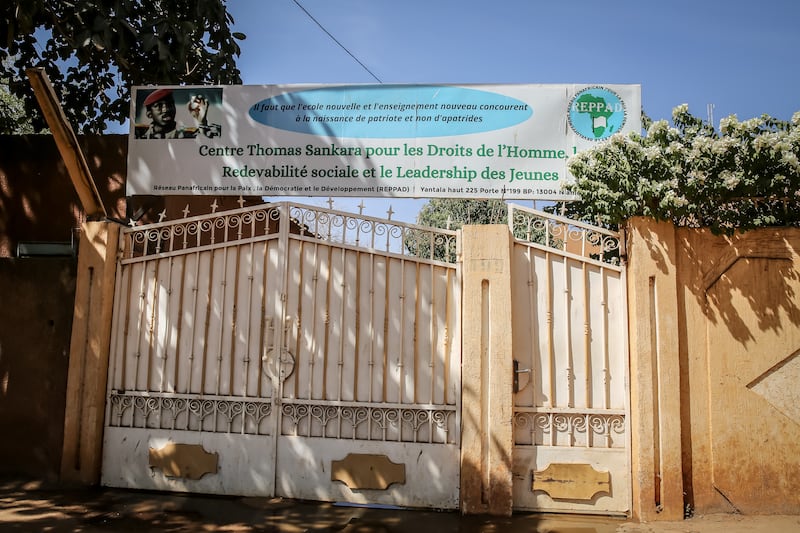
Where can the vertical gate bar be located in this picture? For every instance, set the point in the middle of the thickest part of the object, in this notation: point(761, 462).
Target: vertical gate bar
point(550, 348)
point(169, 315)
point(341, 320)
point(222, 305)
point(248, 354)
point(314, 345)
point(371, 333)
point(235, 314)
point(207, 322)
point(605, 331)
point(385, 369)
point(454, 367)
point(167, 326)
point(587, 337)
point(179, 327)
point(433, 333)
point(271, 347)
point(535, 363)
point(299, 318)
point(327, 315)
point(262, 334)
point(286, 327)
point(142, 326)
point(357, 332)
point(570, 371)
point(448, 334)
point(417, 337)
point(195, 290)
point(399, 418)
point(151, 328)
point(401, 352)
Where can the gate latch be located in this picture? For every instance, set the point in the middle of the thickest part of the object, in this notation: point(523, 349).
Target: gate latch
point(517, 372)
point(278, 363)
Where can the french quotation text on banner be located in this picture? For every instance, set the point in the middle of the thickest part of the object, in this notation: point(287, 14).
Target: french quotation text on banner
point(416, 141)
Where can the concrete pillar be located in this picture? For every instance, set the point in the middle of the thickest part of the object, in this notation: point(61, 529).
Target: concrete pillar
point(487, 395)
point(655, 371)
point(88, 358)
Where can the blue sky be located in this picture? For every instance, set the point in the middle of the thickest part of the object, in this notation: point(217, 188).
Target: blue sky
point(741, 56)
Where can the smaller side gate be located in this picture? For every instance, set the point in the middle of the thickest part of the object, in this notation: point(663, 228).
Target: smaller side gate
point(286, 350)
point(571, 425)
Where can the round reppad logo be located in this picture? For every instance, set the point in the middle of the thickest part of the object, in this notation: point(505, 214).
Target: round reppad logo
point(597, 113)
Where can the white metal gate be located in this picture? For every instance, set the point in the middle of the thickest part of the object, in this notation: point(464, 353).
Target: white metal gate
point(571, 438)
point(287, 350)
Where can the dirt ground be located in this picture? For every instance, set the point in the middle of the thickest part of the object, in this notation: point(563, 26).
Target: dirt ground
point(35, 506)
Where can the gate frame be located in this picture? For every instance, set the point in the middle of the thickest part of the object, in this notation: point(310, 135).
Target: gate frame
point(487, 397)
point(85, 408)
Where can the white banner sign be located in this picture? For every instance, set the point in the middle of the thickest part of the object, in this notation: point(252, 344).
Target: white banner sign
point(419, 141)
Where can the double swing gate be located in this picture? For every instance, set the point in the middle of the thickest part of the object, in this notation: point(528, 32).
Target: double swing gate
point(286, 350)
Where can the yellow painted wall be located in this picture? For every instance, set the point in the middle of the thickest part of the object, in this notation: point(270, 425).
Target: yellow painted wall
point(715, 370)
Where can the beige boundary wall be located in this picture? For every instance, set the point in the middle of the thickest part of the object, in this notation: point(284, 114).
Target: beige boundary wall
point(715, 370)
point(714, 365)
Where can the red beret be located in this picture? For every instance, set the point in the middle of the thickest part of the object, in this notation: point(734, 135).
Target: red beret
point(155, 96)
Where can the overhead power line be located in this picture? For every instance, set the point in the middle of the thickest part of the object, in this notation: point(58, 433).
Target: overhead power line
point(337, 41)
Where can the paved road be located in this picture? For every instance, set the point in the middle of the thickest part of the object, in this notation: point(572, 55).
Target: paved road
point(34, 506)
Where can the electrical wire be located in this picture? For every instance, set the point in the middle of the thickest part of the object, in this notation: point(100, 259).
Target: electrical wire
point(337, 41)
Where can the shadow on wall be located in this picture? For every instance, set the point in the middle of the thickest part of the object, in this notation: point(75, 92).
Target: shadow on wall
point(709, 261)
point(718, 263)
point(35, 327)
point(37, 200)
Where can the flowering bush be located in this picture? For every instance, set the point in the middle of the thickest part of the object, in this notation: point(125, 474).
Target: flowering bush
point(745, 176)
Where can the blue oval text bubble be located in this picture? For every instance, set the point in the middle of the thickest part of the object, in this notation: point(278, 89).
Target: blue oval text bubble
point(390, 112)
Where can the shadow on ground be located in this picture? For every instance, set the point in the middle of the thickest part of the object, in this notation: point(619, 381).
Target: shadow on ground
point(34, 506)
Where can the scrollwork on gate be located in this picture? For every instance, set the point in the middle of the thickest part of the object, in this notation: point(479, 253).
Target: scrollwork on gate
point(214, 415)
point(365, 422)
point(561, 233)
point(191, 233)
point(263, 221)
point(570, 429)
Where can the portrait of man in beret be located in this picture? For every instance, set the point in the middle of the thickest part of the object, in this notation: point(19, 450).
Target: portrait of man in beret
point(160, 108)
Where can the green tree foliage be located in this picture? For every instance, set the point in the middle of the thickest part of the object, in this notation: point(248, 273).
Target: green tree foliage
point(447, 213)
point(13, 120)
point(451, 213)
point(94, 51)
point(744, 176)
